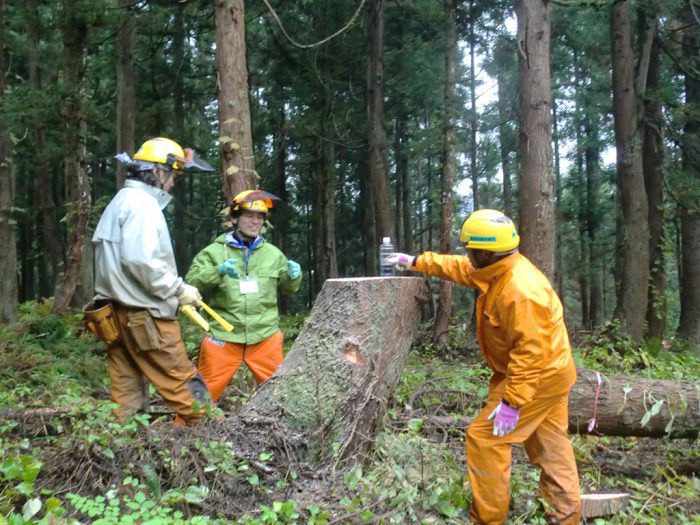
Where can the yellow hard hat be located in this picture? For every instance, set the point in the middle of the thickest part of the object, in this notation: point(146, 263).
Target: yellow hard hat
point(165, 151)
point(489, 230)
point(254, 200)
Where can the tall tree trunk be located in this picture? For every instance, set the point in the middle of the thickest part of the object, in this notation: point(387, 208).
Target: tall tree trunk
point(504, 59)
point(26, 264)
point(429, 208)
point(377, 136)
point(579, 119)
point(689, 324)
point(180, 191)
point(537, 220)
point(47, 230)
point(76, 180)
point(634, 275)
point(444, 310)
point(473, 116)
point(369, 239)
point(324, 177)
point(279, 168)
point(595, 265)
point(652, 159)
point(126, 86)
point(403, 181)
point(237, 160)
point(559, 248)
point(8, 254)
point(583, 239)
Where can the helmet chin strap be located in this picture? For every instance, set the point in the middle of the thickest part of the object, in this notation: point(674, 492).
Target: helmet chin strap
point(160, 182)
point(509, 252)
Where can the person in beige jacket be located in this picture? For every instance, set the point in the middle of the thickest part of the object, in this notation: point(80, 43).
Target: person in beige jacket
point(137, 277)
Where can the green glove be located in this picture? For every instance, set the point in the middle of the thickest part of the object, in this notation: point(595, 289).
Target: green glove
point(228, 267)
point(293, 269)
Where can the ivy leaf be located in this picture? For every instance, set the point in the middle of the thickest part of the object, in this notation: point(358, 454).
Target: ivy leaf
point(194, 494)
point(30, 508)
point(657, 407)
point(669, 426)
point(646, 418)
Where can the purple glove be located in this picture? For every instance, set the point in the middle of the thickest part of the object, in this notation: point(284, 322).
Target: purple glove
point(402, 261)
point(506, 419)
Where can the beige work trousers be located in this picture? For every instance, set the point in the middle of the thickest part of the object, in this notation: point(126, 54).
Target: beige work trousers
point(151, 349)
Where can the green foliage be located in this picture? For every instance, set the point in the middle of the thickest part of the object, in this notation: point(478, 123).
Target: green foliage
point(415, 474)
point(428, 382)
point(612, 351)
point(412, 476)
point(291, 326)
point(49, 360)
point(18, 474)
point(112, 509)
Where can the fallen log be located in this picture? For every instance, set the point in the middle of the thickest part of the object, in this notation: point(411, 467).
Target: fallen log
point(633, 406)
point(597, 505)
point(330, 394)
point(621, 406)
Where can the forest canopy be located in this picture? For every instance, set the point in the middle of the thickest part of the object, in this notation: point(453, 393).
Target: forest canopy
point(369, 119)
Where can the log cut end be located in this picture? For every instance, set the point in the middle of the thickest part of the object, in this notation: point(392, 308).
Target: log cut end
point(596, 505)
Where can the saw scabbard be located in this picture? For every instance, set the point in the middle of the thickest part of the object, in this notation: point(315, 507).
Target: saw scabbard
point(193, 314)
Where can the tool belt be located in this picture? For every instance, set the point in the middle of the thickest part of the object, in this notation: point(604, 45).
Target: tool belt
point(98, 317)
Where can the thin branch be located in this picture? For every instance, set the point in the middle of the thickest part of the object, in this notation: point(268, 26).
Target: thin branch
point(328, 38)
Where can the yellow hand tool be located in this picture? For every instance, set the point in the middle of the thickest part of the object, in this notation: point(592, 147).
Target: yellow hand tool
point(223, 322)
point(193, 314)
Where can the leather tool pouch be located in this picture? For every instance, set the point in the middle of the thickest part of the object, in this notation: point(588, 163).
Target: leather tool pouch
point(98, 317)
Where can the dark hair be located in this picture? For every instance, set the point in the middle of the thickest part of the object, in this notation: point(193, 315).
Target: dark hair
point(147, 176)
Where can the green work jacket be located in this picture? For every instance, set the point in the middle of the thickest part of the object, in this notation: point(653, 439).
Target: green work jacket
point(254, 315)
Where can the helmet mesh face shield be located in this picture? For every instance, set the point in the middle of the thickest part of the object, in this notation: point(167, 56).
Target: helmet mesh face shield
point(489, 230)
point(253, 200)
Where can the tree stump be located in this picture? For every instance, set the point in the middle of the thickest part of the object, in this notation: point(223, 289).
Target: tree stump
point(633, 406)
point(332, 389)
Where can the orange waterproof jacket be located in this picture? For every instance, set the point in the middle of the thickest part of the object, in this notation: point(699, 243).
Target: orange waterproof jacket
point(520, 324)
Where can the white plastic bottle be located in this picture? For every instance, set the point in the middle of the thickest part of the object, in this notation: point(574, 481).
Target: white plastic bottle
point(386, 269)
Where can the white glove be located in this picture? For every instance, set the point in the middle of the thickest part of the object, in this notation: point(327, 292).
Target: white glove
point(188, 294)
point(403, 261)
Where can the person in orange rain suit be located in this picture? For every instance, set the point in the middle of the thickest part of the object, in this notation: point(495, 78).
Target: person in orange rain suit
point(240, 274)
point(521, 331)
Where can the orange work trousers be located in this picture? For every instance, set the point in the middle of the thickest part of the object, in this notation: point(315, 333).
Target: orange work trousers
point(151, 349)
point(543, 429)
point(219, 360)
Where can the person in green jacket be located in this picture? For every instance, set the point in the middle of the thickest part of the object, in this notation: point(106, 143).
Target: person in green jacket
point(239, 274)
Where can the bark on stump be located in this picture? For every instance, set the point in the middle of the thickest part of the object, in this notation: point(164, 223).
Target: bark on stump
point(332, 389)
point(633, 406)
